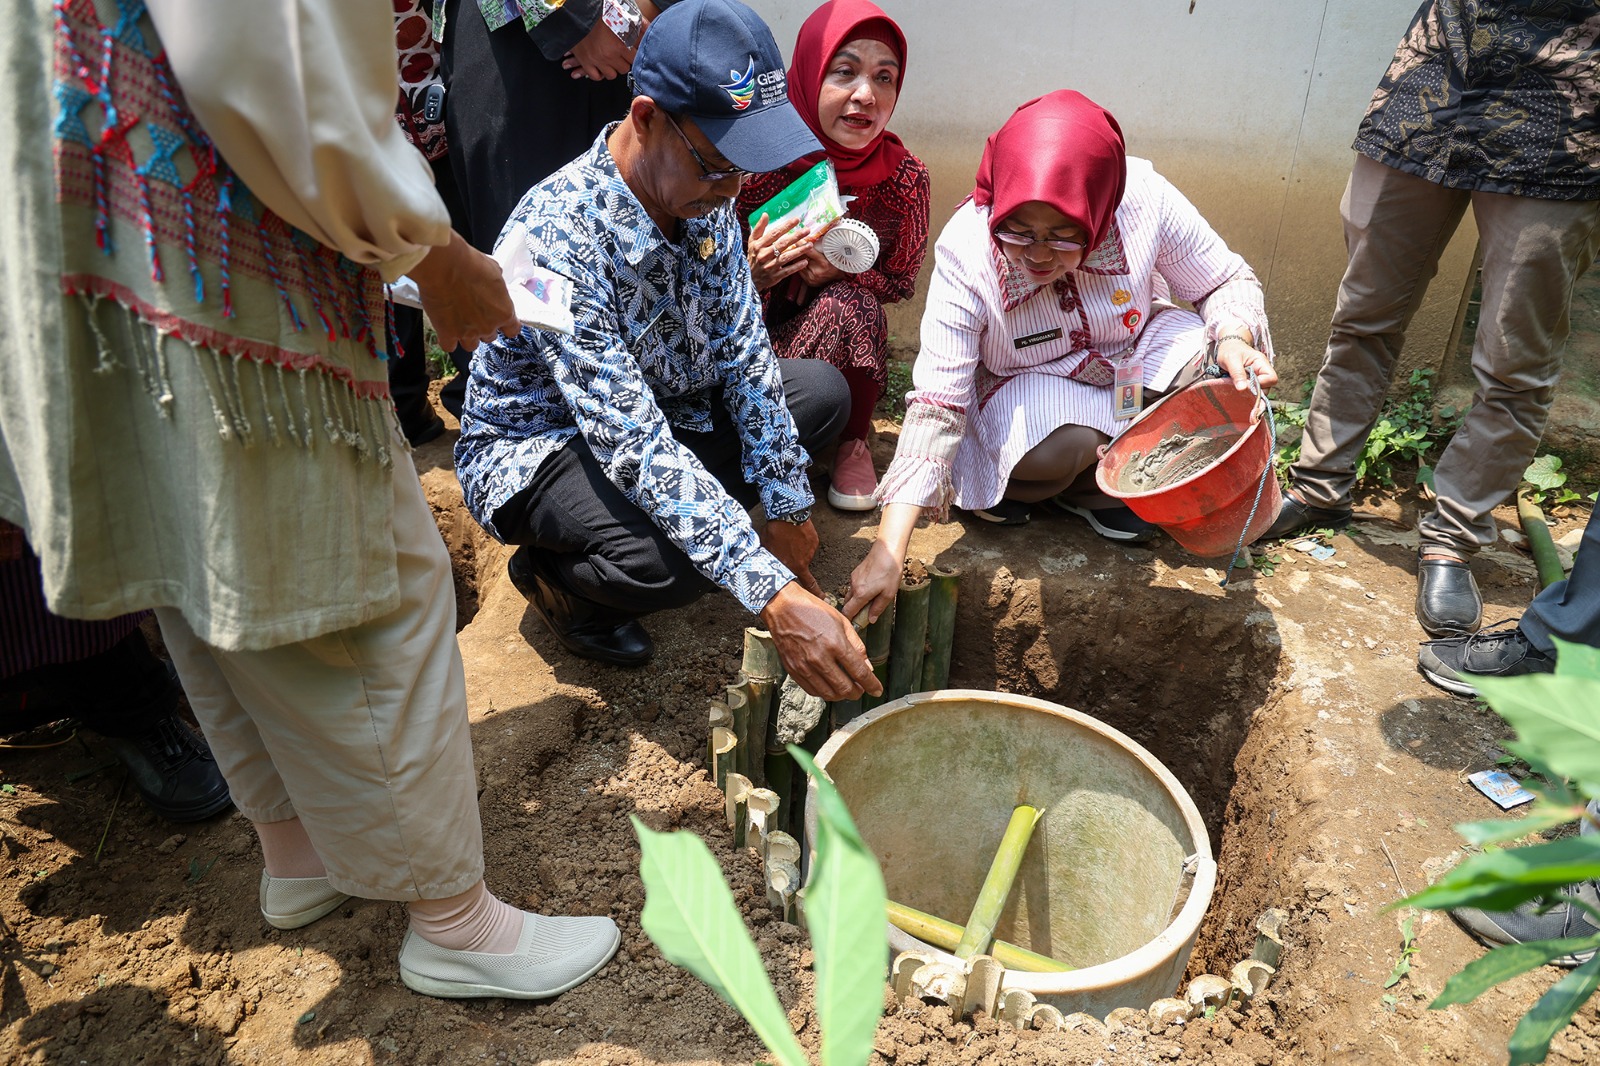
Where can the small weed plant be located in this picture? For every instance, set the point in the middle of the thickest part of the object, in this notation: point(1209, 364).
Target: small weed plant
point(1544, 482)
point(892, 404)
point(1557, 719)
point(1408, 431)
point(690, 914)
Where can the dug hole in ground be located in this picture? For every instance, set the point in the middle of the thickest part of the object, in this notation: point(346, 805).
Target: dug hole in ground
point(1328, 772)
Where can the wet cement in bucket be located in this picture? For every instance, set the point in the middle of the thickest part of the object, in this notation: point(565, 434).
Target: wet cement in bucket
point(1175, 458)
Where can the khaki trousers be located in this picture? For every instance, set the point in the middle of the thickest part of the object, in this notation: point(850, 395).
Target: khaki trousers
point(1396, 226)
point(361, 733)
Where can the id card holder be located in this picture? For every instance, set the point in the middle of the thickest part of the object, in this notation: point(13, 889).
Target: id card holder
point(1127, 395)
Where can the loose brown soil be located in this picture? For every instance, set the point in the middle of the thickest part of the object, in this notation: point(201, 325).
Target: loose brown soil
point(1289, 706)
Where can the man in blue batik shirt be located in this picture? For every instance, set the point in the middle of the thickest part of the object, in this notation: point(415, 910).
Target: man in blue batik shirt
point(623, 458)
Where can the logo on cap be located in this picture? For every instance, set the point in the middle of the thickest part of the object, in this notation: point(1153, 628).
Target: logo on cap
point(742, 89)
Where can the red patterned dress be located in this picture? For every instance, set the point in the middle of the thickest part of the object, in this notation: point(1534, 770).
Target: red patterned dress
point(844, 321)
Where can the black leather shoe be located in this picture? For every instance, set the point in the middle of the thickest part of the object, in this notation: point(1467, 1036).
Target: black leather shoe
point(583, 628)
point(1295, 518)
point(173, 770)
point(1448, 604)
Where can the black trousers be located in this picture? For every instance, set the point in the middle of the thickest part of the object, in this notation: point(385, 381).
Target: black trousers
point(607, 551)
point(408, 356)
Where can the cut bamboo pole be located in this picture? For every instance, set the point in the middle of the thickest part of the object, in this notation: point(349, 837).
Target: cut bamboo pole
point(1537, 530)
point(724, 746)
point(736, 806)
point(877, 637)
point(762, 809)
point(946, 581)
point(763, 674)
point(739, 711)
point(783, 881)
point(909, 646)
point(997, 886)
point(842, 711)
point(718, 717)
point(780, 779)
point(781, 847)
point(946, 935)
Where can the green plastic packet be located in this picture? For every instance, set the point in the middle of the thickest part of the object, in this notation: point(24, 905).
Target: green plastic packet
point(812, 199)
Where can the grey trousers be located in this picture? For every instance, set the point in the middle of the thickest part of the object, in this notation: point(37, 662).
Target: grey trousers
point(1569, 609)
point(1396, 226)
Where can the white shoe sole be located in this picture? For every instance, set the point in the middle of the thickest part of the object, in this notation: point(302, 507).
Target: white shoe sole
point(301, 919)
point(1106, 531)
point(850, 503)
point(433, 986)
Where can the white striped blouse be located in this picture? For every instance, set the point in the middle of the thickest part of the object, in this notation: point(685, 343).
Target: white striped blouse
point(985, 324)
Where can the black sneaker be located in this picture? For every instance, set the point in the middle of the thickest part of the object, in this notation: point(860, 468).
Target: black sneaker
point(1533, 921)
point(1295, 518)
point(173, 770)
point(1113, 523)
point(1005, 513)
point(1453, 662)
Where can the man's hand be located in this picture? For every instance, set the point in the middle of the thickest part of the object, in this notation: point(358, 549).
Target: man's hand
point(464, 295)
point(600, 56)
point(776, 253)
point(795, 546)
point(1236, 357)
point(818, 646)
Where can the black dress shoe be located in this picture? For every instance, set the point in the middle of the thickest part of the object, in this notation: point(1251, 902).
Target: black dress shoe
point(173, 770)
point(585, 629)
point(1448, 604)
point(1295, 518)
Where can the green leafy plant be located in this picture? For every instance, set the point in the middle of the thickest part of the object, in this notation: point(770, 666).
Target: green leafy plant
point(1547, 483)
point(690, 914)
point(1409, 430)
point(1408, 948)
point(892, 404)
point(1557, 719)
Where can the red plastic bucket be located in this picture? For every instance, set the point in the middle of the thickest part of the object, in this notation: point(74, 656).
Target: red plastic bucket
point(1193, 462)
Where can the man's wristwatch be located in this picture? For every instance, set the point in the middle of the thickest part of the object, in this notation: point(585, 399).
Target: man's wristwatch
point(798, 518)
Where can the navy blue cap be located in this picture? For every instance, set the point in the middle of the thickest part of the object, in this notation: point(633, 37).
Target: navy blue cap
point(715, 61)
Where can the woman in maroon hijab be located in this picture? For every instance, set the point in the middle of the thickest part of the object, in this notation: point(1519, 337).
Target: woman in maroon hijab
point(1049, 324)
point(849, 64)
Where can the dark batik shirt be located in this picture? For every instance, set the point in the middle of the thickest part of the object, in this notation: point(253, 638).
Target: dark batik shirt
point(1494, 95)
point(665, 329)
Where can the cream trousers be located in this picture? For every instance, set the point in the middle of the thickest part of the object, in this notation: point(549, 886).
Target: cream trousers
point(361, 733)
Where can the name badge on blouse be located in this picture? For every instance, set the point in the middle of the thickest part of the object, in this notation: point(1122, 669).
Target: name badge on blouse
point(1128, 388)
point(1036, 338)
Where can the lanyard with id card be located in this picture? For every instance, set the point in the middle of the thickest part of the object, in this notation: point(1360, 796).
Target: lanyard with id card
point(1127, 395)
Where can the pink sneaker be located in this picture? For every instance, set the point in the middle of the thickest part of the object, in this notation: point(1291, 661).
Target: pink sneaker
point(854, 480)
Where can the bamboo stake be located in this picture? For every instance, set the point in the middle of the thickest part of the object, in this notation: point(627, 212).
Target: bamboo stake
point(910, 643)
point(877, 637)
point(780, 779)
point(762, 809)
point(946, 935)
point(842, 711)
point(739, 710)
point(941, 627)
point(1537, 530)
point(724, 746)
point(735, 806)
point(781, 847)
point(763, 673)
point(783, 880)
point(717, 717)
point(997, 886)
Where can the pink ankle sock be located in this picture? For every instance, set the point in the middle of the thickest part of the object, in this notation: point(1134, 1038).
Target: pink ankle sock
point(475, 920)
point(287, 851)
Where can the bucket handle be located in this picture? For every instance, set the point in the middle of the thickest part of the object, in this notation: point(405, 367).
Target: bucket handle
point(1266, 471)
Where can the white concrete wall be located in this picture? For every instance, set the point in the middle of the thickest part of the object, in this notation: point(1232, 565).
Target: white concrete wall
point(1248, 106)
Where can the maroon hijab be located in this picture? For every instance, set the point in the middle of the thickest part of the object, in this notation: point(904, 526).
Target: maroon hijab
point(1063, 149)
point(828, 29)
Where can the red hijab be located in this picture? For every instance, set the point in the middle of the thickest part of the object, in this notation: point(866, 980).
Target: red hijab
point(1063, 149)
point(829, 28)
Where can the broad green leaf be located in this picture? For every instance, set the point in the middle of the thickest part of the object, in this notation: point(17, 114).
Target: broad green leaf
point(1557, 719)
point(1530, 1040)
point(1498, 831)
point(691, 916)
point(1500, 880)
point(1576, 660)
point(1504, 963)
point(1545, 473)
point(846, 910)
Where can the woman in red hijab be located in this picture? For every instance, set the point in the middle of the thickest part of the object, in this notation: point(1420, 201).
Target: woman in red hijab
point(849, 64)
point(1049, 324)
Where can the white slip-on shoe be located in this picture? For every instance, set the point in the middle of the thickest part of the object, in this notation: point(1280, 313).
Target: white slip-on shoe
point(553, 954)
point(295, 902)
